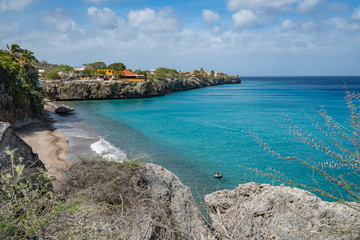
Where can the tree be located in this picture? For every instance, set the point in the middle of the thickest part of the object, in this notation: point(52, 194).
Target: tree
point(54, 75)
point(165, 73)
point(212, 74)
point(96, 65)
point(9, 71)
point(117, 66)
point(18, 75)
point(65, 70)
point(26, 58)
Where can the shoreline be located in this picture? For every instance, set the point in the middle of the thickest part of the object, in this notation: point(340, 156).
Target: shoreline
point(60, 139)
point(49, 142)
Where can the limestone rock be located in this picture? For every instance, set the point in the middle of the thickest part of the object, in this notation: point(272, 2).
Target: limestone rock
point(62, 109)
point(262, 211)
point(161, 185)
point(85, 90)
point(23, 153)
point(20, 114)
point(158, 205)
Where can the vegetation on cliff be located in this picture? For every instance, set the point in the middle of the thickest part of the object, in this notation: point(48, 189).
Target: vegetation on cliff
point(18, 75)
point(21, 98)
point(97, 199)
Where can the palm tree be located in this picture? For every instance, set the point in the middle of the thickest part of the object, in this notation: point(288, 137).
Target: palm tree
point(26, 58)
point(28, 69)
point(15, 52)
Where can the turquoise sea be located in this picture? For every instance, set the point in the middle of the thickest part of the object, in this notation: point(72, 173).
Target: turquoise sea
point(200, 132)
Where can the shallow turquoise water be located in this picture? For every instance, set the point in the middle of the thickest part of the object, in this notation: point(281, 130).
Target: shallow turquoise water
point(200, 132)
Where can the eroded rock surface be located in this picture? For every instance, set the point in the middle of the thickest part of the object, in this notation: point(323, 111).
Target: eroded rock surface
point(85, 90)
point(262, 211)
point(22, 152)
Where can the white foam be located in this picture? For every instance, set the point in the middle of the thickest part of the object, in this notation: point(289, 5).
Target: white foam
point(108, 151)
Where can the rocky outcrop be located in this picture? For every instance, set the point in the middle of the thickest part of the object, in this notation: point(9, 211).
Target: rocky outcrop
point(22, 152)
point(84, 90)
point(20, 114)
point(262, 211)
point(62, 109)
point(156, 205)
point(161, 185)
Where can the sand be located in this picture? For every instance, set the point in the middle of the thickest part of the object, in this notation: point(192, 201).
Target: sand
point(48, 142)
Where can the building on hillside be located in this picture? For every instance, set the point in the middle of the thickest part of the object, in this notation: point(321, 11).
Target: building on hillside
point(127, 75)
point(107, 72)
point(79, 73)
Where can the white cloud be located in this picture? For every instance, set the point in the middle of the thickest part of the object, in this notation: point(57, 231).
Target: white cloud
point(356, 13)
point(244, 18)
point(307, 6)
point(15, 5)
point(248, 18)
point(149, 20)
point(342, 24)
point(58, 20)
point(103, 18)
point(288, 25)
point(234, 5)
point(210, 17)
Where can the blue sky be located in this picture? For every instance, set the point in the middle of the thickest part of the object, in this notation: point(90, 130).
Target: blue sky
point(244, 37)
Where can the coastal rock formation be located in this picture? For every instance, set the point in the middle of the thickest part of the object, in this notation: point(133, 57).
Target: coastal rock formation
point(18, 115)
point(22, 151)
point(155, 204)
point(84, 90)
point(262, 211)
point(62, 109)
point(161, 185)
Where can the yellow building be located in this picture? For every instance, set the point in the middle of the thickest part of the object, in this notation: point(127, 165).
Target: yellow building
point(107, 72)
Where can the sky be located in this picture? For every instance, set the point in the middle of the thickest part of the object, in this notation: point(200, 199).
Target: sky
point(238, 37)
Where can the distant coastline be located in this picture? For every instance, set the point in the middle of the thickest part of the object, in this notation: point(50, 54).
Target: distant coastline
point(88, 90)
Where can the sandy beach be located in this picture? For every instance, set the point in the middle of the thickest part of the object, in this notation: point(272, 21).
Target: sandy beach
point(48, 142)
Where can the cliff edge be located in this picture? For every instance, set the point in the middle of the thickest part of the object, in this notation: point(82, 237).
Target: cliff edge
point(23, 153)
point(86, 90)
point(262, 211)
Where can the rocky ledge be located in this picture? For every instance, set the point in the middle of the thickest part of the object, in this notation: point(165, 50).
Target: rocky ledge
point(22, 152)
point(85, 90)
point(262, 211)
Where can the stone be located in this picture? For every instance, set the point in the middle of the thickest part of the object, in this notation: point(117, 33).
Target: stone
point(161, 185)
point(262, 211)
point(23, 153)
point(62, 109)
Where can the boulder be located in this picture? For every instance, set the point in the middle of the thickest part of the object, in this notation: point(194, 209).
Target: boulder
point(262, 211)
point(22, 152)
point(62, 109)
point(161, 185)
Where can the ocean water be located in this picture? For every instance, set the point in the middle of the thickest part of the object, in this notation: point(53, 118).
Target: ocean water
point(200, 132)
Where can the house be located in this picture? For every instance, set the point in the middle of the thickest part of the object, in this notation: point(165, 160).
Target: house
point(107, 72)
point(127, 75)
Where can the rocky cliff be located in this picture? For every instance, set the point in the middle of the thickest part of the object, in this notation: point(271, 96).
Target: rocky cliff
point(262, 211)
point(83, 90)
point(154, 203)
point(23, 153)
point(20, 114)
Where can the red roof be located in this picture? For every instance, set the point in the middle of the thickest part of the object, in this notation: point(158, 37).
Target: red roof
point(128, 73)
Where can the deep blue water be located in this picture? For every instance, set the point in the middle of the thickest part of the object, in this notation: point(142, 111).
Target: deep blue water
point(200, 132)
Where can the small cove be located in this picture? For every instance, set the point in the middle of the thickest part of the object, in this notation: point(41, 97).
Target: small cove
point(200, 132)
